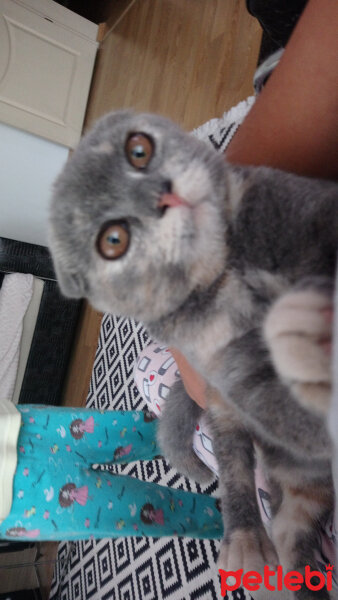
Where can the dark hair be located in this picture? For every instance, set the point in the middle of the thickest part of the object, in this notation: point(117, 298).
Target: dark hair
point(144, 513)
point(148, 415)
point(117, 452)
point(75, 424)
point(16, 531)
point(65, 502)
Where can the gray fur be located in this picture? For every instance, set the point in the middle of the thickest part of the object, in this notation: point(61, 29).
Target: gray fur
point(204, 279)
point(176, 437)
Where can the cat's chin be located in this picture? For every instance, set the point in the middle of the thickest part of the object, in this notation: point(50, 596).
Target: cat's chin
point(146, 313)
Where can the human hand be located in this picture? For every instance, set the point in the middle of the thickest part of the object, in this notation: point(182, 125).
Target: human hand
point(193, 382)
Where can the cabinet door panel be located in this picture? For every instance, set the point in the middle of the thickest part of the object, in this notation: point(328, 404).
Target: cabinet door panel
point(45, 71)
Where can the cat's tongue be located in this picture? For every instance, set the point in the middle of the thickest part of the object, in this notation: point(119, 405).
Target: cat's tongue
point(172, 200)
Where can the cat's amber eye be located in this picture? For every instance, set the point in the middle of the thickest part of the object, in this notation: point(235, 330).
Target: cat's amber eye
point(113, 240)
point(139, 150)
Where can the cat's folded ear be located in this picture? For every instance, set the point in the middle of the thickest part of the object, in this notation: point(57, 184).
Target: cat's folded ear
point(69, 273)
point(71, 284)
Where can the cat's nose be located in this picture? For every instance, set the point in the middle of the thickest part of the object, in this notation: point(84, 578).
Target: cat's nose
point(166, 187)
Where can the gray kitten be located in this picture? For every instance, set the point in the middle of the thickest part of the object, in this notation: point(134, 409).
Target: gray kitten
point(234, 266)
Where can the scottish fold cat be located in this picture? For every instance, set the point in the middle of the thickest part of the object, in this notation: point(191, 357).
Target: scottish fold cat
point(235, 267)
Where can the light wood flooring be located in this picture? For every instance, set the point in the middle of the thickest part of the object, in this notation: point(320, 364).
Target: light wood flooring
point(190, 60)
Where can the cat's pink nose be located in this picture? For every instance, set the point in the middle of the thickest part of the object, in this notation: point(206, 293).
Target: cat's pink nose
point(171, 200)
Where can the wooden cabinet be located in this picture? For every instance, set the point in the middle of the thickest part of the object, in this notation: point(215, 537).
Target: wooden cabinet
point(47, 56)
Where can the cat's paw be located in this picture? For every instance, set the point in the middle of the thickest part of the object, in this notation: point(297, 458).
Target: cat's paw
point(251, 550)
point(193, 468)
point(298, 330)
point(247, 549)
point(183, 458)
point(178, 452)
point(175, 434)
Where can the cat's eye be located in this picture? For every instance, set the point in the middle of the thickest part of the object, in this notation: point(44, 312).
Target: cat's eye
point(139, 150)
point(113, 240)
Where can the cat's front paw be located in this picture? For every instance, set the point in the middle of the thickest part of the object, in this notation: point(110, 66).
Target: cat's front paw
point(250, 550)
point(298, 330)
point(175, 434)
point(247, 549)
point(186, 462)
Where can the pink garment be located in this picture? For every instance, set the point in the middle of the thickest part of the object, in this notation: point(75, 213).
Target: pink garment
point(158, 516)
point(80, 495)
point(23, 532)
point(125, 451)
point(33, 533)
point(87, 425)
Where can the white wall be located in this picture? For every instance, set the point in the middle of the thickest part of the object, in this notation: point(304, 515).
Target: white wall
point(28, 167)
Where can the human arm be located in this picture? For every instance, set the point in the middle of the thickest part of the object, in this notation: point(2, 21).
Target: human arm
point(293, 123)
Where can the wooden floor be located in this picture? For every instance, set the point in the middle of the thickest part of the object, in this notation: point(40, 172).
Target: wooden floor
point(190, 60)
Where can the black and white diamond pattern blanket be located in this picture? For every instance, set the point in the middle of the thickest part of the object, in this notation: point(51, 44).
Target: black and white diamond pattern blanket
point(142, 568)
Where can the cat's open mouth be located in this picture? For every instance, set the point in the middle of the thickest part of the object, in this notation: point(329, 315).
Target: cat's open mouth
point(171, 200)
